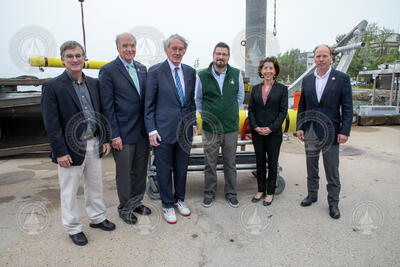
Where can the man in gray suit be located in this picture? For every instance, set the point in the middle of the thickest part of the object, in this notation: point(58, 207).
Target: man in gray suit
point(170, 122)
point(122, 89)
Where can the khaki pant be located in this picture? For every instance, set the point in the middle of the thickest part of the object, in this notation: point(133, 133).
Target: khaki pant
point(69, 179)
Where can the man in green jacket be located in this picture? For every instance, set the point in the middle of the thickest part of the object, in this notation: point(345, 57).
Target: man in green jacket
point(219, 94)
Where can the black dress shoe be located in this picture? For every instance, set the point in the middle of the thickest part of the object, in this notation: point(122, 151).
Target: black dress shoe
point(105, 225)
point(254, 199)
point(127, 216)
point(79, 239)
point(308, 201)
point(266, 203)
point(334, 212)
point(143, 210)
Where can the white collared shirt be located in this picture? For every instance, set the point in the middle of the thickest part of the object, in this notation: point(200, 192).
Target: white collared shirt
point(180, 74)
point(320, 82)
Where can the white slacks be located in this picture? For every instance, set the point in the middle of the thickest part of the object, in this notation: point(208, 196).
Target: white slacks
point(69, 179)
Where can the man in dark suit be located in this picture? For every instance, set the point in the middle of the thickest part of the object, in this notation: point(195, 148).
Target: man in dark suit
point(323, 122)
point(78, 138)
point(122, 90)
point(170, 121)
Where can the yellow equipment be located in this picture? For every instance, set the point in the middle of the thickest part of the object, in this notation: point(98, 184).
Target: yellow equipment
point(56, 63)
point(288, 126)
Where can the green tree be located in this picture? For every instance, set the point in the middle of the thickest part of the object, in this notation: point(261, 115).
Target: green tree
point(292, 65)
point(375, 52)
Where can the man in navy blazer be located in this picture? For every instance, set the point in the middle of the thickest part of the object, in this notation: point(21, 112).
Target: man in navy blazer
point(123, 89)
point(170, 118)
point(324, 120)
point(78, 139)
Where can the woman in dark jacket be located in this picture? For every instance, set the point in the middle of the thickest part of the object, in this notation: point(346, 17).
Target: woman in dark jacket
point(267, 110)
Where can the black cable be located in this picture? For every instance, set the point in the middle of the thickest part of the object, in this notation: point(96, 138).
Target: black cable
point(274, 31)
point(83, 29)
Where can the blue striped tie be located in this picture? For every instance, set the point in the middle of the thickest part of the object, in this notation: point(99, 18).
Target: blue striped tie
point(179, 87)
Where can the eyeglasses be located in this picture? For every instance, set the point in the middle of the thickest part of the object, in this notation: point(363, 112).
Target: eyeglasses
point(71, 57)
point(221, 54)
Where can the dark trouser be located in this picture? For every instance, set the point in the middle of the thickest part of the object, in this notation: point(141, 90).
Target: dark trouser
point(131, 172)
point(171, 158)
point(330, 155)
point(212, 143)
point(269, 145)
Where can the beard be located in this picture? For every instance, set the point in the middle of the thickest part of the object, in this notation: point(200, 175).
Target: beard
point(220, 64)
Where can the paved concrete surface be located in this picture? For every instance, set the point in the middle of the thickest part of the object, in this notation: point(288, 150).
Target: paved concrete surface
point(284, 234)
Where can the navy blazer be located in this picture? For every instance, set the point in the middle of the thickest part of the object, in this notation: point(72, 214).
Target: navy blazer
point(336, 104)
point(122, 105)
point(63, 118)
point(163, 110)
point(273, 113)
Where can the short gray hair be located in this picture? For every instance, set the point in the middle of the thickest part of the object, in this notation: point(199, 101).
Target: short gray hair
point(127, 33)
point(324, 45)
point(175, 36)
point(71, 45)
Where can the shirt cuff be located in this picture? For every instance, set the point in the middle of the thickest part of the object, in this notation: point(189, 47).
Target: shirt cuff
point(153, 132)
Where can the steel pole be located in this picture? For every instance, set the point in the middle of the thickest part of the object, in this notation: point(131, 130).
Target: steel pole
point(398, 91)
point(373, 91)
point(256, 30)
point(391, 88)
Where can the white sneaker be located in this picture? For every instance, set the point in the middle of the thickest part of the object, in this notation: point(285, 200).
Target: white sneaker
point(183, 210)
point(169, 215)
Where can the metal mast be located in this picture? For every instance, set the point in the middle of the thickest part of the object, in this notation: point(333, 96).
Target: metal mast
point(256, 29)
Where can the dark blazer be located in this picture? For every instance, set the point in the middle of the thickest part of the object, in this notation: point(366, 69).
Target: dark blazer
point(123, 106)
point(273, 113)
point(163, 111)
point(336, 104)
point(63, 118)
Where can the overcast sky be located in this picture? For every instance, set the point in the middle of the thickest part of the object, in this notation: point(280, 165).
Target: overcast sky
point(300, 24)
